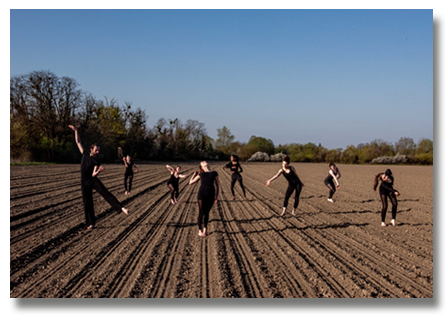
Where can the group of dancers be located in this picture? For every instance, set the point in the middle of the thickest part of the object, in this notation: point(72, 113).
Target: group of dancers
point(208, 193)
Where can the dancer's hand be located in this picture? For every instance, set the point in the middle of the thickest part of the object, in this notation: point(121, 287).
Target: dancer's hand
point(268, 182)
point(337, 187)
point(124, 158)
point(216, 201)
point(136, 170)
point(397, 193)
point(100, 169)
point(73, 127)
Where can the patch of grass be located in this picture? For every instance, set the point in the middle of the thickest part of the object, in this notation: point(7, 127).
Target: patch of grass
point(31, 163)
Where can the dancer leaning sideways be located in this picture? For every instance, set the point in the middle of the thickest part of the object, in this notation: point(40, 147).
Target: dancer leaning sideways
point(173, 182)
point(294, 183)
point(90, 169)
point(129, 173)
point(333, 175)
point(387, 190)
point(236, 169)
point(207, 194)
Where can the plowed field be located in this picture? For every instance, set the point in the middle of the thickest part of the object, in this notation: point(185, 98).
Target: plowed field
point(326, 250)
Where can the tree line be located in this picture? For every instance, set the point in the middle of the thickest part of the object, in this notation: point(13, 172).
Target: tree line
point(42, 105)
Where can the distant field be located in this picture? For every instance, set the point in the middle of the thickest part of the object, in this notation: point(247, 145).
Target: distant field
point(327, 250)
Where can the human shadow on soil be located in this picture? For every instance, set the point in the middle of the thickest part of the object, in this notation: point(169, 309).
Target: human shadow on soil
point(296, 228)
point(224, 222)
point(362, 211)
point(410, 224)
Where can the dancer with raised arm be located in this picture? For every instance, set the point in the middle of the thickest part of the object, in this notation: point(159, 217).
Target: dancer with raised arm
point(236, 169)
point(387, 190)
point(129, 173)
point(173, 182)
point(333, 175)
point(90, 168)
point(294, 183)
point(207, 194)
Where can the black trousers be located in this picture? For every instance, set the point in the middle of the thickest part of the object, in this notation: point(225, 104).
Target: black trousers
point(205, 205)
point(394, 201)
point(87, 197)
point(237, 177)
point(131, 177)
point(289, 191)
point(332, 188)
point(174, 191)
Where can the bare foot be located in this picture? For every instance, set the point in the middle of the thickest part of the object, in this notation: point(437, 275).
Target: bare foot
point(392, 222)
point(90, 227)
point(205, 233)
point(126, 192)
point(283, 213)
point(245, 198)
point(175, 200)
point(293, 212)
point(233, 198)
point(201, 234)
point(172, 201)
point(383, 224)
point(126, 211)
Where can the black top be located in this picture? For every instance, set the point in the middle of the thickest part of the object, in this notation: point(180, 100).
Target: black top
point(234, 167)
point(387, 187)
point(329, 178)
point(129, 170)
point(207, 188)
point(291, 177)
point(208, 178)
point(173, 180)
point(87, 164)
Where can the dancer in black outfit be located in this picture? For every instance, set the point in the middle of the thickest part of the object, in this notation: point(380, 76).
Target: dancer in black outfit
point(207, 195)
point(294, 183)
point(90, 168)
point(387, 190)
point(333, 175)
point(236, 169)
point(173, 182)
point(129, 173)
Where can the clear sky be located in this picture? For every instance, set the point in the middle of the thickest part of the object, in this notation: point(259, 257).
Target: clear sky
point(336, 77)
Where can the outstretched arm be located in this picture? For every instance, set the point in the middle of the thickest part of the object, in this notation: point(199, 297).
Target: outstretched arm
point(217, 189)
point(77, 138)
point(171, 169)
point(194, 178)
point(273, 178)
point(182, 175)
point(136, 168)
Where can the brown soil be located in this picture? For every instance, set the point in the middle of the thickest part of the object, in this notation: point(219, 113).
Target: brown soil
point(327, 250)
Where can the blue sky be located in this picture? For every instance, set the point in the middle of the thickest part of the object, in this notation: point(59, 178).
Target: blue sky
point(336, 77)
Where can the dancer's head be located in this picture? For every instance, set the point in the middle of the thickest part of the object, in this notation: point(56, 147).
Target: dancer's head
point(94, 149)
point(384, 176)
point(178, 169)
point(128, 158)
point(286, 160)
point(234, 158)
point(203, 166)
point(332, 165)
